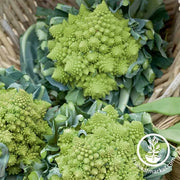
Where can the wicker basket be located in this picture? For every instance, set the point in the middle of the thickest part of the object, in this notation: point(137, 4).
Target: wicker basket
point(17, 15)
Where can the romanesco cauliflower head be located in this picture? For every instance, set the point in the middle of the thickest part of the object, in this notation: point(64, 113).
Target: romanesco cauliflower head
point(107, 152)
point(91, 49)
point(22, 127)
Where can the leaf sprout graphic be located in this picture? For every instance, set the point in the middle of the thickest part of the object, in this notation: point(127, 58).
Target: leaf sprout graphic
point(154, 149)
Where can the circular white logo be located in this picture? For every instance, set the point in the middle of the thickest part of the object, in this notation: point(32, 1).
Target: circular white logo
point(152, 157)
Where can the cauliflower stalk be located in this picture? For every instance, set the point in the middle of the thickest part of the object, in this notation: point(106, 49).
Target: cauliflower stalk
point(108, 151)
point(91, 49)
point(22, 127)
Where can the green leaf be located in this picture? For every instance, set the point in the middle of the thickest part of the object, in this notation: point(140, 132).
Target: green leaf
point(167, 106)
point(141, 84)
point(51, 113)
point(16, 86)
point(116, 4)
point(42, 31)
point(82, 132)
point(123, 99)
point(4, 157)
point(125, 2)
point(54, 172)
point(137, 98)
point(146, 118)
point(40, 11)
point(138, 29)
point(97, 105)
point(56, 20)
point(161, 62)
point(91, 3)
point(52, 139)
point(172, 134)
point(134, 6)
point(127, 82)
point(144, 8)
point(41, 34)
point(16, 75)
point(33, 176)
point(13, 78)
point(51, 158)
point(28, 52)
point(59, 118)
point(152, 7)
point(54, 83)
point(75, 96)
point(150, 44)
point(67, 9)
point(144, 145)
point(159, 43)
point(149, 74)
point(34, 61)
point(159, 17)
point(112, 98)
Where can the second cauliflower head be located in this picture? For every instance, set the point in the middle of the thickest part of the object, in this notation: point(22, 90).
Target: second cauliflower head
point(108, 151)
point(22, 127)
point(91, 49)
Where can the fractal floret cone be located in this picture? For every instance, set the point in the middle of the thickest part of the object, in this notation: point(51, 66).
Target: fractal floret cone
point(107, 152)
point(22, 127)
point(91, 49)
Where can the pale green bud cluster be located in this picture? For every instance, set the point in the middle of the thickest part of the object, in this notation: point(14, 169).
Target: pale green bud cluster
point(22, 127)
point(91, 49)
point(107, 152)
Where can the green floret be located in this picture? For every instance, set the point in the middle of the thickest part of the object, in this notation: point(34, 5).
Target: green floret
point(91, 49)
point(98, 86)
point(106, 152)
point(51, 44)
point(22, 127)
point(111, 112)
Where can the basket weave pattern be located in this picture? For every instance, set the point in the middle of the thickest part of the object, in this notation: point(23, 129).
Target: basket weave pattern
point(17, 15)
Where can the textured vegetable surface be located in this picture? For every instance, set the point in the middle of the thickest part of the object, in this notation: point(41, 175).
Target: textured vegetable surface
point(22, 127)
point(81, 136)
point(104, 50)
point(108, 151)
point(131, 87)
point(91, 49)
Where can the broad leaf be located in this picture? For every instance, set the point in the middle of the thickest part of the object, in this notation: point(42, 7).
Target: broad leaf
point(75, 96)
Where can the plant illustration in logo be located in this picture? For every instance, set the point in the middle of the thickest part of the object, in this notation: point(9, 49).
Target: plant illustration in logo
point(154, 149)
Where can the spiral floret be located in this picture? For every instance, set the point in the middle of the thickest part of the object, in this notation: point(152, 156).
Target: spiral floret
point(106, 152)
point(91, 49)
point(22, 127)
